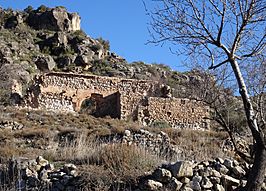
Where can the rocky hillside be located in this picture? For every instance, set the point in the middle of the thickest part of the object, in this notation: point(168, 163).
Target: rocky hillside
point(50, 39)
point(105, 154)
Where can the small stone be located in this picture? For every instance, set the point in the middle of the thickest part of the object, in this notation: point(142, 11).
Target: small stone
point(215, 180)
point(206, 183)
point(220, 160)
point(43, 175)
point(238, 171)
point(162, 175)
point(49, 167)
point(236, 163)
point(228, 180)
point(221, 168)
point(228, 163)
point(69, 167)
point(153, 185)
point(195, 185)
point(243, 183)
point(174, 184)
point(215, 173)
point(206, 163)
point(197, 178)
point(218, 187)
point(185, 180)
point(186, 189)
point(73, 173)
point(127, 133)
point(41, 161)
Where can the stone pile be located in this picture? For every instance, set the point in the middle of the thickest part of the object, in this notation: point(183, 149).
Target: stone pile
point(39, 174)
point(158, 143)
point(12, 125)
point(218, 175)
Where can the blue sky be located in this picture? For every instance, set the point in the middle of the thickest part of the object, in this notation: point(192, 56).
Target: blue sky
point(123, 23)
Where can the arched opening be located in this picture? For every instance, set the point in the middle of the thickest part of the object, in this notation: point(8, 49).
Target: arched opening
point(89, 105)
point(100, 106)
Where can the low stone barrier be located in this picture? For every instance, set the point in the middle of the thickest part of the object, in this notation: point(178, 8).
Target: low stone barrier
point(218, 175)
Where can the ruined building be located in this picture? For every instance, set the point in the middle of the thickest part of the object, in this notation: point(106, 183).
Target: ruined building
point(145, 101)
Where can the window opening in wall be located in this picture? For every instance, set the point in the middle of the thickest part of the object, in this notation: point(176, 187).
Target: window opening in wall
point(193, 110)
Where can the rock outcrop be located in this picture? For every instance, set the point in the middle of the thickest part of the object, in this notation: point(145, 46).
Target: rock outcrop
point(55, 19)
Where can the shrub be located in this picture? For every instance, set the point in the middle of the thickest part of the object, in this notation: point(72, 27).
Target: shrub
point(105, 43)
point(79, 35)
point(29, 9)
point(42, 8)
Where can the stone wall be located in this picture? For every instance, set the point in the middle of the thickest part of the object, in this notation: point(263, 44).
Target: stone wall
point(157, 143)
point(179, 113)
point(141, 100)
point(66, 92)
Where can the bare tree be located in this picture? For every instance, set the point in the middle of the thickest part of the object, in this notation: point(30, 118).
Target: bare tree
point(223, 33)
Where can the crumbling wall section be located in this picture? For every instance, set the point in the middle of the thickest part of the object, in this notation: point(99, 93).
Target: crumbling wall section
point(179, 113)
point(109, 105)
point(66, 91)
point(140, 100)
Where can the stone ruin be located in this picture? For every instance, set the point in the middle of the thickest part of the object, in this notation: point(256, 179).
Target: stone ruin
point(145, 101)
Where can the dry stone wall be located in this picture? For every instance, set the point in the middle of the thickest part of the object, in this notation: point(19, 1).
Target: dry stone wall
point(66, 92)
point(140, 100)
point(179, 113)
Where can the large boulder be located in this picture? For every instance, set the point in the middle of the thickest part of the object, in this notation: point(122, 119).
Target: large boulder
point(181, 169)
point(13, 21)
point(56, 19)
point(45, 63)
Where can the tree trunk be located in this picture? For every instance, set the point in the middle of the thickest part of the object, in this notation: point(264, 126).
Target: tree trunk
point(257, 173)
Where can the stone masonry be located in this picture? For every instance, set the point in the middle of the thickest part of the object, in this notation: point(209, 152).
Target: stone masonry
point(179, 113)
point(141, 100)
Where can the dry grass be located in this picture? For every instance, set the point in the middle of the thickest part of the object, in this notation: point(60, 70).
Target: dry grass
point(105, 165)
point(9, 151)
point(74, 138)
point(199, 145)
point(32, 133)
point(117, 167)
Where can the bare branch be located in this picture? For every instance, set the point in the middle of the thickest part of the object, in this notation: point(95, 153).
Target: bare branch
point(218, 65)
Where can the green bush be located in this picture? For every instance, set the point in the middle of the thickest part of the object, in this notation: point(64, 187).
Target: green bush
point(80, 35)
point(105, 43)
point(29, 9)
point(42, 8)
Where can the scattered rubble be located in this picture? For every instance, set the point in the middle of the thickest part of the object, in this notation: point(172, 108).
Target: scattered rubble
point(12, 125)
point(218, 175)
point(40, 174)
